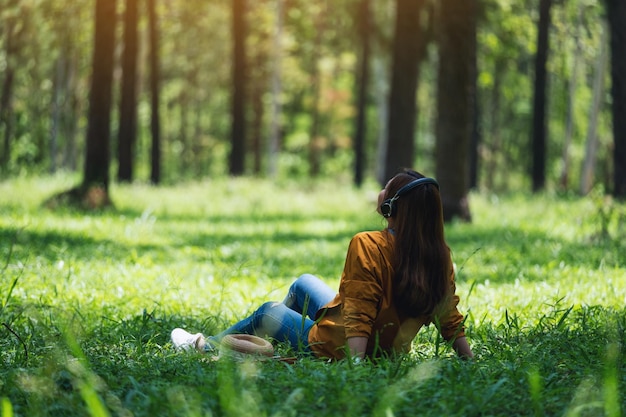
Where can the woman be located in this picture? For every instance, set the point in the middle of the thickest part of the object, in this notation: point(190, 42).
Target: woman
point(394, 281)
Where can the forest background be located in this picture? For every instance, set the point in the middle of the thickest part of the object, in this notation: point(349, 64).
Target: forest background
point(501, 96)
point(495, 95)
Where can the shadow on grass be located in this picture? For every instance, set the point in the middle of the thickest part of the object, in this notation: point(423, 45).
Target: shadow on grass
point(49, 245)
point(517, 249)
point(274, 243)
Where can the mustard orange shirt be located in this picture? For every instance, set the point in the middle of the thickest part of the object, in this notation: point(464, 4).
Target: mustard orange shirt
point(364, 305)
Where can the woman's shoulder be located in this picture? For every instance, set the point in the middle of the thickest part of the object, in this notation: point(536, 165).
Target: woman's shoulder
point(371, 235)
point(375, 238)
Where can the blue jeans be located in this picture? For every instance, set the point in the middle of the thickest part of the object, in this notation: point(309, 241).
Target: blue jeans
point(291, 320)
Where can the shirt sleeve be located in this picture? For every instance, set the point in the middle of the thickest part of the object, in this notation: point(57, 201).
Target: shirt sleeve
point(450, 321)
point(360, 288)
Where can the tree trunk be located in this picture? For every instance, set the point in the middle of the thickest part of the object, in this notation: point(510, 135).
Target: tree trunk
point(6, 115)
point(407, 51)
point(616, 12)
point(127, 135)
point(57, 87)
point(274, 140)
point(155, 125)
point(257, 122)
point(96, 173)
point(454, 105)
point(571, 99)
point(93, 192)
point(260, 57)
point(539, 104)
point(238, 128)
point(201, 165)
point(6, 97)
point(475, 134)
point(74, 108)
point(185, 158)
point(381, 88)
point(364, 25)
point(589, 163)
point(493, 149)
point(316, 146)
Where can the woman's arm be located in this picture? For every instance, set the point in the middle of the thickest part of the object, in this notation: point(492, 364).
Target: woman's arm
point(462, 348)
point(360, 291)
point(357, 346)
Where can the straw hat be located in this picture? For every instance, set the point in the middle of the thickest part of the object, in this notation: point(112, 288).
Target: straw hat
point(242, 345)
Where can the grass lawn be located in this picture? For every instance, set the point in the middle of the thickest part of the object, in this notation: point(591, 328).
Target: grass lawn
point(87, 302)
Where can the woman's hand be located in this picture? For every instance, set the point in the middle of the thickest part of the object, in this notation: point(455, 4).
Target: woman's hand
point(462, 348)
point(357, 346)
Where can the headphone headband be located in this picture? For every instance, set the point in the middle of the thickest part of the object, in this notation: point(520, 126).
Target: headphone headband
point(388, 207)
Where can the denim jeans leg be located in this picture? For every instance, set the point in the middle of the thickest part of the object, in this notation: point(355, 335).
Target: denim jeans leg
point(275, 320)
point(309, 292)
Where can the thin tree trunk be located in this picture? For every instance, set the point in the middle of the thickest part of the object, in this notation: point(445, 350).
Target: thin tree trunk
point(495, 147)
point(539, 103)
point(70, 158)
point(238, 127)
point(571, 98)
point(56, 110)
point(127, 135)
point(257, 124)
point(6, 115)
point(183, 136)
point(257, 90)
point(381, 88)
point(68, 124)
point(6, 98)
point(274, 141)
point(589, 163)
point(616, 12)
point(364, 24)
point(475, 133)
point(315, 141)
point(155, 125)
point(200, 165)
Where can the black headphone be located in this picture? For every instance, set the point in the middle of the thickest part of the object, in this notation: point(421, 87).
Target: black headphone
point(388, 207)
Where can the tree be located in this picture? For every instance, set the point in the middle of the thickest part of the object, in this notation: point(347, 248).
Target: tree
point(616, 12)
point(589, 162)
point(362, 82)
point(456, 32)
point(238, 126)
point(571, 98)
point(259, 79)
point(275, 125)
point(476, 134)
point(407, 51)
point(155, 125)
point(127, 134)
point(93, 192)
point(14, 32)
point(97, 160)
point(316, 145)
point(539, 102)
point(67, 103)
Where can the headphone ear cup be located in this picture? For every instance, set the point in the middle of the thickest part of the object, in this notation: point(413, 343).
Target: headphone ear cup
point(386, 208)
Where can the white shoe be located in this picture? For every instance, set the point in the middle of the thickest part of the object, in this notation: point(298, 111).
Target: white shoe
point(184, 340)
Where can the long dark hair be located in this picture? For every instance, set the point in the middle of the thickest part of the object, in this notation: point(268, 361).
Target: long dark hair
point(422, 264)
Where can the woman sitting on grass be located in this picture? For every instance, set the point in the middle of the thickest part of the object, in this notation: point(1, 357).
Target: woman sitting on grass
point(394, 282)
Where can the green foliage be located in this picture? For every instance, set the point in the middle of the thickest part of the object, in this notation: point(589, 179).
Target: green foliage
point(51, 58)
point(89, 300)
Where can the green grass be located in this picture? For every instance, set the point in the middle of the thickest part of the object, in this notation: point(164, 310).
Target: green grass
point(88, 301)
